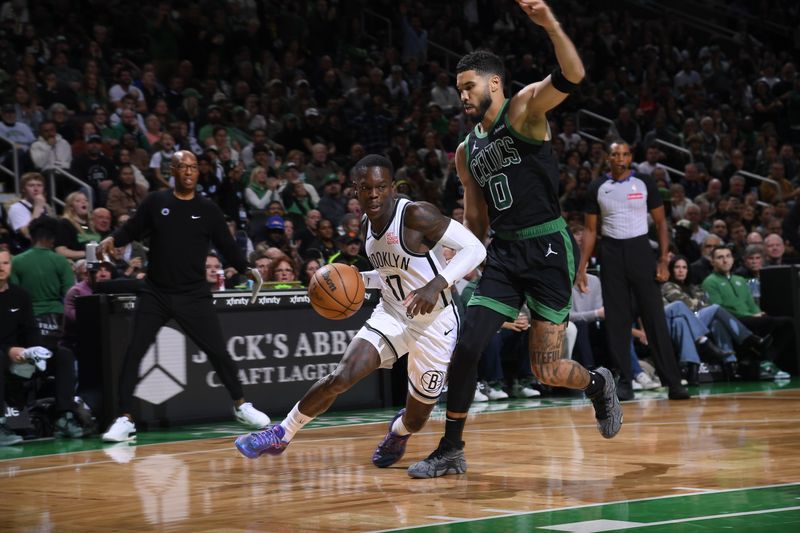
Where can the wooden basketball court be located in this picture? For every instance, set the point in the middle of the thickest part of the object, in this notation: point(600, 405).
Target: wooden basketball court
point(727, 459)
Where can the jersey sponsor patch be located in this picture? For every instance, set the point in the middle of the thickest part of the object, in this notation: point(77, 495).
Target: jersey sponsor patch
point(635, 196)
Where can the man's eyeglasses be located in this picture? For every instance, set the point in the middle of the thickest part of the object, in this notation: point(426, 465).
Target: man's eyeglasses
point(184, 166)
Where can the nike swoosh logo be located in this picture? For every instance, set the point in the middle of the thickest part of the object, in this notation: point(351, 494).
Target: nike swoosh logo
point(14, 310)
point(608, 191)
point(194, 217)
point(448, 331)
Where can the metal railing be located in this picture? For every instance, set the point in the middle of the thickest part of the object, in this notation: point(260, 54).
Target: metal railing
point(584, 131)
point(14, 171)
point(384, 20)
point(765, 179)
point(84, 187)
point(446, 56)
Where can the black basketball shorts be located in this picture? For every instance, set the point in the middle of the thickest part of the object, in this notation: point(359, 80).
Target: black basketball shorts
point(536, 265)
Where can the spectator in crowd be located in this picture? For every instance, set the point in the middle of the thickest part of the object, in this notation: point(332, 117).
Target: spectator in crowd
point(444, 95)
point(731, 293)
point(324, 243)
point(752, 262)
point(129, 261)
point(775, 250)
point(283, 273)
point(694, 216)
point(31, 206)
point(332, 202)
point(261, 190)
point(307, 270)
point(679, 203)
point(350, 254)
point(700, 269)
point(161, 161)
point(75, 229)
point(727, 332)
point(13, 130)
point(320, 167)
point(95, 168)
point(50, 150)
point(22, 352)
point(101, 221)
point(124, 197)
point(46, 276)
point(213, 272)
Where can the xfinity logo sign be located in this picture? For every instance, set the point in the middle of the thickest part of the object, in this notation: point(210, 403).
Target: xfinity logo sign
point(162, 371)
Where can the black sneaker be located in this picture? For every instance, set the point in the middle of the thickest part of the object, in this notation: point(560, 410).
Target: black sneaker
point(67, 426)
point(444, 460)
point(607, 409)
point(8, 437)
point(679, 393)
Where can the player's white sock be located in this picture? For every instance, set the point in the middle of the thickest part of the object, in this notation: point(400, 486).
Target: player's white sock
point(398, 428)
point(294, 422)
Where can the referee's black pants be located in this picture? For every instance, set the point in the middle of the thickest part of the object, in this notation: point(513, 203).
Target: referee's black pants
point(628, 271)
point(194, 313)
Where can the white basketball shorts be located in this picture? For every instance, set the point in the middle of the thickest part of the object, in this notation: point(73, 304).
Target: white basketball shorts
point(429, 346)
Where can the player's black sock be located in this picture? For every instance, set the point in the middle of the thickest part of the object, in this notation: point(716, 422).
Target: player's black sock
point(596, 384)
point(453, 429)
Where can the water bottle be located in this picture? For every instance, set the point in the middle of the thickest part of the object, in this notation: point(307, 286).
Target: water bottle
point(220, 280)
point(754, 284)
point(91, 252)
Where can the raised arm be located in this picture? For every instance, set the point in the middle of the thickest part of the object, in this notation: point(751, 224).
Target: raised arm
point(533, 101)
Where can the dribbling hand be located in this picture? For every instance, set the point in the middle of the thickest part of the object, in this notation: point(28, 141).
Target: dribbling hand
point(105, 248)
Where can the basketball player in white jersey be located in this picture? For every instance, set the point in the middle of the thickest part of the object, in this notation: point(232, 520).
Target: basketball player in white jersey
point(415, 317)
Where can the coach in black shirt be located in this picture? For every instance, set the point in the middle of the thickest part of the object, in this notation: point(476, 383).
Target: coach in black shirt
point(628, 269)
point(181, 226)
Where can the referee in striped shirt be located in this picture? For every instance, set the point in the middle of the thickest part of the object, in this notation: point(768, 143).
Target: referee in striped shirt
point(629, 270)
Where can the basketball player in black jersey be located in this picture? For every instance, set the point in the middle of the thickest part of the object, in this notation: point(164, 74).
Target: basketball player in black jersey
point(510, 178)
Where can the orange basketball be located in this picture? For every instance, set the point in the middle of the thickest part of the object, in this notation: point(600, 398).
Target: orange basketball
point(336, 291)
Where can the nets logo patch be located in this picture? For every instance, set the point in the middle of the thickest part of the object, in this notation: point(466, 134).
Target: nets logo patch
point(163, 368)
point(432, 381)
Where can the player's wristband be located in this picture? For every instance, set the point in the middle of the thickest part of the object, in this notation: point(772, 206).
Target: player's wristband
point(372, 279)
point(561, 83)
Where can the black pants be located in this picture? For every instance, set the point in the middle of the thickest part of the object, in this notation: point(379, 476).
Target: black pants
point(628, 271)
point(194, 313)
point(782, 330)
point(61, 366)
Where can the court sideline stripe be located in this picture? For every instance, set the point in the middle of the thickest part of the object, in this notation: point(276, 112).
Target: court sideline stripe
point(588, 506)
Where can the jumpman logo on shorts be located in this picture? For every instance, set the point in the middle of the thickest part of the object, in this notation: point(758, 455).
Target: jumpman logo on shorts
point(550, 250)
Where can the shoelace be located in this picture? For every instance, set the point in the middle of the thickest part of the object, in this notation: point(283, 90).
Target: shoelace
point(265, 439)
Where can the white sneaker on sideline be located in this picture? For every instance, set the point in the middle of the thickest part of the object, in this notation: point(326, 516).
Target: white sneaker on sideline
point(647, 383)
point(522, 389)
point(121, 430)
point(479, 396)
point(250, 416)
point(496, 393)
point(635, 385)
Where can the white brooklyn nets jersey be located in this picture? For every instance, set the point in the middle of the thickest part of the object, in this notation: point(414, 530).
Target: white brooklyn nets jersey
point(401, 270)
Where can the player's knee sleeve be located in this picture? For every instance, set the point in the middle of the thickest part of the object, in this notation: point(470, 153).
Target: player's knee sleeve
point(480, 325)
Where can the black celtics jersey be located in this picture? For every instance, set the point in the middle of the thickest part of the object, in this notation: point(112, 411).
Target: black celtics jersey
point(518, 175)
